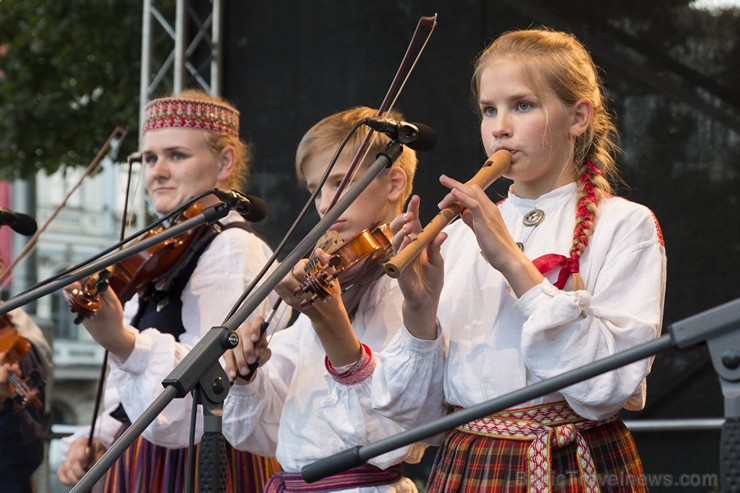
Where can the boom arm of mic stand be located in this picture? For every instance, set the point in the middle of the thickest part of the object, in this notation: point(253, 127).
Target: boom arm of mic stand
point(715, 324)
point(208, 215)
point(724, 349)
point(206, 352)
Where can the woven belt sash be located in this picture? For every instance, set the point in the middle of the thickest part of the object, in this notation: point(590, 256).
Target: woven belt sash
point(365, 475)
point(547, 426)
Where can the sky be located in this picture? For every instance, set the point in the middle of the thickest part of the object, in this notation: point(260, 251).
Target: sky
point(716, 3)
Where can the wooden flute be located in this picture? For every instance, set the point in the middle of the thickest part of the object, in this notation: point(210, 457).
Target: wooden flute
point(494, 167)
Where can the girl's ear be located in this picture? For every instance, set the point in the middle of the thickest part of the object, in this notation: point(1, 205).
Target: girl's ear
point(581, 117)
point(226, 163)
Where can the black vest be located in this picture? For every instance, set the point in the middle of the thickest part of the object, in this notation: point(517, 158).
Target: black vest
point(162, 309)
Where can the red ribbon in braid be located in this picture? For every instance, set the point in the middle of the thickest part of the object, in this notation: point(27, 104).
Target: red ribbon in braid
point(572, 265)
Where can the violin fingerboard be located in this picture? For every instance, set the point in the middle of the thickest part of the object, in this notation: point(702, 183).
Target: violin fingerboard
point(329, 242)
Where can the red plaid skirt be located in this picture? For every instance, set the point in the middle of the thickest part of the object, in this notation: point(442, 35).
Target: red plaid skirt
point(471, 463)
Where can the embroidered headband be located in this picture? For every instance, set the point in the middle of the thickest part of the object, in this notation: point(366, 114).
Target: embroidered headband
point(191, 113)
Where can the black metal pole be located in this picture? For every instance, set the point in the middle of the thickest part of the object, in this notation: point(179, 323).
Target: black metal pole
point(719, 326)
point(208, 215)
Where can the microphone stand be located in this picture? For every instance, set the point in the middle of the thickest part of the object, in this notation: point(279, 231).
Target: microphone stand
point(208, 215)
point(200, 367)
point(208, 393)
point(718, 327)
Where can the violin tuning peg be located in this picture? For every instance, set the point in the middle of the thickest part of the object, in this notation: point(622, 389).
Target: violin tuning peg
point(306, 302)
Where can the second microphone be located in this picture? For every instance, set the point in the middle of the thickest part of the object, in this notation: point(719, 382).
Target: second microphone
point(417, 136)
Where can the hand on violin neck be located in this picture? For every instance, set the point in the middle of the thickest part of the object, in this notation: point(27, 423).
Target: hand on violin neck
point(299, 288)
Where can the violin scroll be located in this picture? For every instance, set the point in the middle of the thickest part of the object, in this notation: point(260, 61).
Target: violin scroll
point(85, 301)
point(139, 271)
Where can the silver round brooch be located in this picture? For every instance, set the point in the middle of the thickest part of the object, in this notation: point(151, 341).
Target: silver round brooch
point(534, 217)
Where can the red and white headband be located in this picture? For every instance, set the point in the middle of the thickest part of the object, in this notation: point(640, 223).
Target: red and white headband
point(190, 113)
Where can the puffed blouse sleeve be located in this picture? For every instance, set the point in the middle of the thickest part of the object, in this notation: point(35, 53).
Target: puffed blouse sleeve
point(407, 372)
point(222, 273)
point(621, 307)
point(252, 412)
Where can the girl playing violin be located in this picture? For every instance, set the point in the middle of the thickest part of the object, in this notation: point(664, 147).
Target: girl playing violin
point(282, 410)
point(558, 275)
point(190, 144)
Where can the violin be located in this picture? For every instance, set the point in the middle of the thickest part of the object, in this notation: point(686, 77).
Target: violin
point(14, 346)
point(137, 273)
point(370, 244)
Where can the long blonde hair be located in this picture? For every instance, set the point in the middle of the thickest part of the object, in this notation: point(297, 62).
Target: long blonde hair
point(561, 62)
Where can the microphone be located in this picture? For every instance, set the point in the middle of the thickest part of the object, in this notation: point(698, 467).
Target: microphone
point(417, 136)
point(20, 223)
point(251, 208)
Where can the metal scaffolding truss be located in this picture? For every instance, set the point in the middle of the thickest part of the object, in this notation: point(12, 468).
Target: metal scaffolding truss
point(181, 47)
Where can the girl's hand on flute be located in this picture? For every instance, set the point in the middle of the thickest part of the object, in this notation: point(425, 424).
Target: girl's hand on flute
point(421, 282)
point(483, 217)
point(493, 168)
point(495, 242)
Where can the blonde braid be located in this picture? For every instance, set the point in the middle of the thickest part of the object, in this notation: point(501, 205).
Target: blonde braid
point(589, 195)
point(595, 167)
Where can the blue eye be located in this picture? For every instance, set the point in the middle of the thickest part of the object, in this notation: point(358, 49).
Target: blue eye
point(488, 111)
point(150, 159)
point(524, 106)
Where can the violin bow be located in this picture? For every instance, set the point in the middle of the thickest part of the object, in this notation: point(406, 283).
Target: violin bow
point(429, 22)
point(391, 96)
point(90, 448)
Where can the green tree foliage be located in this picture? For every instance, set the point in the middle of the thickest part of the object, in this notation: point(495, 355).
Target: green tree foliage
point(69, 75)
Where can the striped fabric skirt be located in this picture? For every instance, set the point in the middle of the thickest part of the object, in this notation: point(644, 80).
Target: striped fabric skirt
point(146, 467)
point(364, 476)
point(472, 462)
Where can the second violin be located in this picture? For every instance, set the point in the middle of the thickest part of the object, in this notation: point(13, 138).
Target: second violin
point(13, 347)
point(370, 244)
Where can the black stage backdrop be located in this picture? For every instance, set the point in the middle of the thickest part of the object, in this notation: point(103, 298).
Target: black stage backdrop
point(290, 63)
